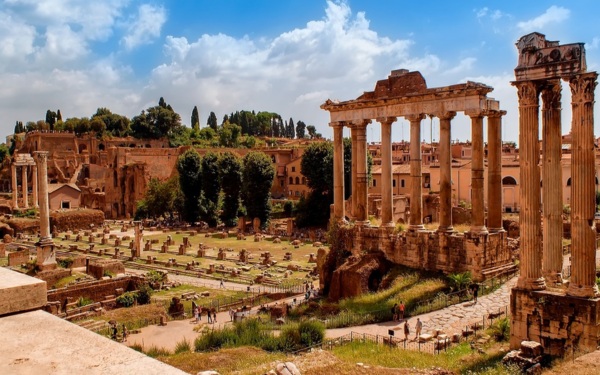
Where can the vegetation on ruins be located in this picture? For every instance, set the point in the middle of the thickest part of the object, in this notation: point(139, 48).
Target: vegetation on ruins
point(188, 166)
point(257, 178)
point(460, 281)
point(162, 199)
point(155, 122)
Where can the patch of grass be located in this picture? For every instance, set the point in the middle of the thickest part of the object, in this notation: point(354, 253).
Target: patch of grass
point(155, 351)
point(242, 361)
point(136, 316)
point(68, 280)
point(183, 346)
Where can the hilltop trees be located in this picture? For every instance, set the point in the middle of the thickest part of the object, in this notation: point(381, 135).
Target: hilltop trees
point(230, 178)
point(209, 198)
point(257, 179)
point(188, 166)
point(155, 122)
point(195, 123)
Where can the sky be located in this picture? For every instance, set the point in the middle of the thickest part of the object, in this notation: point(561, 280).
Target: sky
point(267, 55)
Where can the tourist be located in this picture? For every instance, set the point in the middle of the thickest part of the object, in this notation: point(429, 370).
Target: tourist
point(231, 314)
point(418, 328)
point(215, 316)
point(125, 333)
point(221, 285)
point(395, 312)
point(114, 331)
point(475, 288)
point(401, 308)
point(196, 314)
point(406, 330)
point(209, 317)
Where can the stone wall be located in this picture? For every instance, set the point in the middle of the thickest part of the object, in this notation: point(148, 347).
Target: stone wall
point(96, 291)
point(483, 255)
point(562, 324)
point(18, 257)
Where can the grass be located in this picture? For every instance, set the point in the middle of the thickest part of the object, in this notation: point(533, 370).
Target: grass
point(134, 316)
point(68, 279)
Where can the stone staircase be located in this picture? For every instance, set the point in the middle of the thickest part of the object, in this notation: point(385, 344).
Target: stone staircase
point(92, 325)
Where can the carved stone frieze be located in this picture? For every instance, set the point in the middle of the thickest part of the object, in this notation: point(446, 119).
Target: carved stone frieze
point(582, 87)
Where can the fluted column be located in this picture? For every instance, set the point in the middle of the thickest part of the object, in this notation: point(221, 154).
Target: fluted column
point(362, 180)
point(15, 189)
point(416, 188)
point(41, 159)
point(353, 176)
point(24, 186)
point(445, 153)
point(387, 218)
point(338, 170)
point(477, 170)
point(552, 260)
point(583, 248)
point(34, 190)
point(529, 192)
point(494, 180)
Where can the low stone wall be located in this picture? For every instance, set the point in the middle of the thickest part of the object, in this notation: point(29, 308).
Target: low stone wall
point(17, 258)
point(96, 291)
point(61, 221)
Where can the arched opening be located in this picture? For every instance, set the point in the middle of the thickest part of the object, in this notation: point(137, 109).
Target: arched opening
point(132, 145)
point(82, 147)
point(273, 158)
point(297, 180)
point(101, 147)
point(291, 180)
point(303, 180)
point(569, 182)
point(509, 180)
point(374, 280)
point(148, 145)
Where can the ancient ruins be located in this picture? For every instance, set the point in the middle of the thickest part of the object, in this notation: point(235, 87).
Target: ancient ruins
point(482, 250)
point(562, 320)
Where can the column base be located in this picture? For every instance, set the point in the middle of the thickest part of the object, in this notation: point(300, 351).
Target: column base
point(496, 230)
point(416, 227)
point(553, 278)
point(388, 225)
point(531, 283)
point(583, 291)
point(363, 223)
point(447, 229)
point(478, 230)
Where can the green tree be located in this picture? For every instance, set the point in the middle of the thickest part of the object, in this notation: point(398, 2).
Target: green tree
point(230, 180)
point(300, 129)
point(161, 197)
point(81, 126)
point(257, 180)
point(50, 119)
point(189, 168)
point(195, 119)
point(97, 126)
point(115, 124)
point(212, 121)
point(19, 128)
point(290, 133)
point(312, 131)
point(155, 122)
point(4, 151)
point(229, 135)
point(209, 202)
point(58, 116)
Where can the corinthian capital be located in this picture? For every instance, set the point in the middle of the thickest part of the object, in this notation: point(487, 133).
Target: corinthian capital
point(582, 87)
point(447, 115)
point(528, 92)
point(551, 95)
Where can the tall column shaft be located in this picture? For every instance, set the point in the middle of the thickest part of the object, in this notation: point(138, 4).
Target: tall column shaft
point(529, 192)
point(362, 181)
point(583, 256)
point(353, 178)
point(494, 180)
point(24, 186)
point(41, 158)
point(552, 261)
point(387, 218)
point(34, 188)
point(477, 170)
point(15, 189)
point(338, 171)
point(416, 188)
point(445, 155)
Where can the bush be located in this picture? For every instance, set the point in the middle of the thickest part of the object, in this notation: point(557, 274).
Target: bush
point(127, 299)
point(290, 339)
point(84, 301)
point(311, 333)
point(65, 262)
point(156, 277)
point(288, 208)
point(501, 329)
point(144, 294)
point(183, 346)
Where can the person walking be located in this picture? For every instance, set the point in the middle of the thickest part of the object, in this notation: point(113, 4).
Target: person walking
point(125, 333)
point(215, 316)
point(406, 330)
point(209, 317)
point(231, 313)
point(401, 308)
point(395, 312)
point(418, 328)
point(222, 285)
point(475, 291)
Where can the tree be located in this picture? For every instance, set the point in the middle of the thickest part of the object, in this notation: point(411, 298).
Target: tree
point(189, 168)
point(290, 131)
point(229, 135)
point(81, 126)
point(160, 198)
point(116, 124)
point(300, 129)
point(50, 119)
point(257, 180)
point(97, 126)
point(195, 119)
point(4, 151)
point(156, 122)
point(19, 128)
point(212, 121)
point(312, 131)
point(58, 116)
point(209, 201)
point(230, 180)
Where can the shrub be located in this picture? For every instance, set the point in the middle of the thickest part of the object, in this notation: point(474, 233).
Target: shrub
point(157, 352)
point(144, 294)
point(65, 262)
point(183, 346)
point(460, 281)
point(311, 333)
point(127, 299)
point(288, 208)
point(84, 301)
point(290, 339)
point(500, 329)
point(109, 274)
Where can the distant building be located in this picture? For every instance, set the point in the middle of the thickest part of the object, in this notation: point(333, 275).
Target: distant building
point(63, 196)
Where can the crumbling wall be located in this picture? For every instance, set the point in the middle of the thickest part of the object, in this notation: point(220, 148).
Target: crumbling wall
point(61, 221)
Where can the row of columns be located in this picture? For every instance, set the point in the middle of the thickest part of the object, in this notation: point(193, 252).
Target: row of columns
point(34, 190)
point(539, 267)
point(360, 180)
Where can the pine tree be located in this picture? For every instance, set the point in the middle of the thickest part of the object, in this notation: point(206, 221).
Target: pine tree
point(212, 121)
point(195, 119)
point(58, 115)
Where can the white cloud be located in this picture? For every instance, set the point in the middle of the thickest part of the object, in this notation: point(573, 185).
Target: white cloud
point(16, 39)
point(480, 13)
point(594, 44)
point(463, 66)
point(554, 14)
point(145, 27)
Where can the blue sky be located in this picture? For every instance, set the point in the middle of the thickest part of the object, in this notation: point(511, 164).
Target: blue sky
point(281, 56)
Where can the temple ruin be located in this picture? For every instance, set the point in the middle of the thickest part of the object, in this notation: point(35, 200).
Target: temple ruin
point(563, 320)
point(481, 250)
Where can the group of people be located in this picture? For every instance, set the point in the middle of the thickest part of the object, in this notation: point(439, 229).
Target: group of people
point(398, 311)
point(418, 329)
point(398, 316)
point(310, 291)
point(114, 330)
point(211, 315)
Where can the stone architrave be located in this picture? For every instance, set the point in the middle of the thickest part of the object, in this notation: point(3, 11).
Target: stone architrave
point(46, 257)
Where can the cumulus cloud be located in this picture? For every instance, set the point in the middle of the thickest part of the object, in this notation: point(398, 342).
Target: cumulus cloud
point(554, 14)
point(16, 39)
point(463, 66)
point(145, 27)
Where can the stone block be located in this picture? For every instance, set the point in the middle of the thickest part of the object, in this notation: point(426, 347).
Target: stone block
point(19, 292)
point(531, 349)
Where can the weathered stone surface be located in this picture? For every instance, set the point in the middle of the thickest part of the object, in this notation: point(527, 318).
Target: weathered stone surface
point(287, 368)
point(358, 275)
point(20, 292)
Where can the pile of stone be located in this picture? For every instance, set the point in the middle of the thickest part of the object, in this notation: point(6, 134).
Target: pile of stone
point(528, 358)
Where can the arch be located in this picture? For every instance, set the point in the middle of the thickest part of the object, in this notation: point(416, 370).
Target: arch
point(132, 145)
point(509, 180)
point(569, 181)
point(297, 180)
point(148, 145)
point(82, 147)
point(291, 180)
point(101, 147)
point(375, 280)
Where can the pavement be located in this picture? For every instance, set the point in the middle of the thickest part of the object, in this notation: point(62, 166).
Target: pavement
point(450, 320)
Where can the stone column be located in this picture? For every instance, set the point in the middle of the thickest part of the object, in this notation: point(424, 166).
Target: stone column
point(34, 188)
point(15, 189)
point(353, 179)
point(583, 247)
point(445, 171)
point(552, 260)
point(477, 170)
point(46, 258)
point(338, 171)
point(137, 244)
point(529, 192)
point(416, 188)
point(387, 196)
point(24, 186)
point(494, 180)
point(362, 178)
